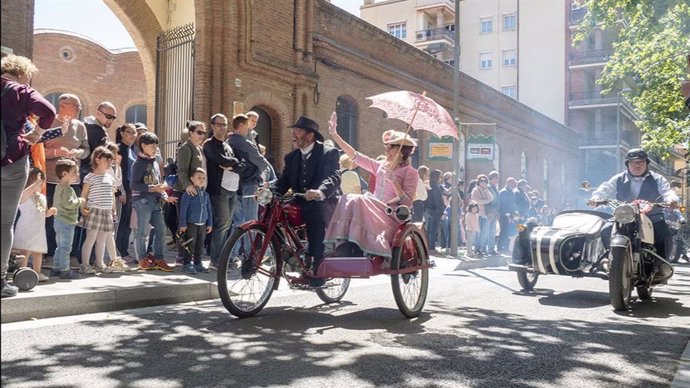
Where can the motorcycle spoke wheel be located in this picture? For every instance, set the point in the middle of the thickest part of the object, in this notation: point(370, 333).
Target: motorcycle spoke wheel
point(620, 279)
point(245, 282)
point(410, 289)
point(334, 290)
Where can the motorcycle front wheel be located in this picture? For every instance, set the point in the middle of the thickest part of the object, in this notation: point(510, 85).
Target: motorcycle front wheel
point(527, 280)
point(620, 279)
point(245, 281)
point(410, 289)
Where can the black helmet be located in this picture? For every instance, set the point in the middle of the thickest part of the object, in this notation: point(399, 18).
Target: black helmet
point(636, 153)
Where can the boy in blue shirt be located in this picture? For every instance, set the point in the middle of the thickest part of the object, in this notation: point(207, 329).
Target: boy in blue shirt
point(196, 221)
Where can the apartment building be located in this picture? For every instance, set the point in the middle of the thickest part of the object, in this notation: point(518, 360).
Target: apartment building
point(513, 46)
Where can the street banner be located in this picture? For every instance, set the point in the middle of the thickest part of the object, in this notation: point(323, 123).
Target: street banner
point(480, 147)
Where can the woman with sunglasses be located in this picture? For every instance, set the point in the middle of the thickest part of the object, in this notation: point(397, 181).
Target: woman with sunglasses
point(190, 157)
point(362, 219)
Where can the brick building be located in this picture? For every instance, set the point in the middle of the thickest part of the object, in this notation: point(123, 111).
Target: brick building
point(17, 27)
point(308, 57)
point(69, 63)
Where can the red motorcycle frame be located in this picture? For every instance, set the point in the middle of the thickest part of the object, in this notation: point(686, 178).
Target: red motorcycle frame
point(259, 253)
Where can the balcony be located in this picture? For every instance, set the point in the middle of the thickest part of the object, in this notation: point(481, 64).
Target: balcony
point(607, 138)
point(589, 57)
point(434, 34)
point(592, 97)
point(576, 16)
point(436, 3)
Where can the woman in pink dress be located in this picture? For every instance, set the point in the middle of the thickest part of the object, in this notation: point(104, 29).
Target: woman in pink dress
point(362, 219)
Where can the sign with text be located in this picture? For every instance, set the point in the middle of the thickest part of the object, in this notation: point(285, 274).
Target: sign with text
point(480, 147)
point(440, 149)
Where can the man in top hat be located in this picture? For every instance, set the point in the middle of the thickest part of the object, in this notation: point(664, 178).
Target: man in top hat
point(313, 170)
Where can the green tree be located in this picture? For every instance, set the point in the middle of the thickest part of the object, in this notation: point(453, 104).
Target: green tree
point(651, 49)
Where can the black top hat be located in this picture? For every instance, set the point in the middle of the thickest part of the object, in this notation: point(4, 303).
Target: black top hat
point(308, 125)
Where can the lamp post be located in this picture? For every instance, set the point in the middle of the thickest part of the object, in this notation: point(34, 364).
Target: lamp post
point(456, 144)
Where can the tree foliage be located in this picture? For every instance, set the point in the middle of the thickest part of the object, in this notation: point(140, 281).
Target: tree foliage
point(650, 52)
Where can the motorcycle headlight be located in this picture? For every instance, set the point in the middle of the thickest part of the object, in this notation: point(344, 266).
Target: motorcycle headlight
point(624, 214)
point(264, 196)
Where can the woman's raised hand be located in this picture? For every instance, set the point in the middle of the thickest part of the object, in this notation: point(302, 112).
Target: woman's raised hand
point(332, 124)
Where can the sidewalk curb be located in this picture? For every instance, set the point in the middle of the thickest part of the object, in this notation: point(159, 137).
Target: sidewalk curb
point(50, 306)
point(682, 377)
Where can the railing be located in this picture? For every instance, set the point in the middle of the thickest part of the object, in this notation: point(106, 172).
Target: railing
point(434, 34)
point(576, 15)
point(601, 138)
point(589, 56)
point(590, 98)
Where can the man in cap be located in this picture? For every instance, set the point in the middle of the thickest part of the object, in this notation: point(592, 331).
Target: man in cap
point(637, 182)
point(313, 170)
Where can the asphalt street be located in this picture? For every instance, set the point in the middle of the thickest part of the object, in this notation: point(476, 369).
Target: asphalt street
point(477, 330)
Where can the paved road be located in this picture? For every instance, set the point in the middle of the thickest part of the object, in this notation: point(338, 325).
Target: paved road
point(477, 330)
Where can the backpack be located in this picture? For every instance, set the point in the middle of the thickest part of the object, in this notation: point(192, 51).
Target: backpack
point(3, 136)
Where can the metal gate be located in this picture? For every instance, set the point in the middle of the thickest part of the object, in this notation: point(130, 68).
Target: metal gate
point(174, 85)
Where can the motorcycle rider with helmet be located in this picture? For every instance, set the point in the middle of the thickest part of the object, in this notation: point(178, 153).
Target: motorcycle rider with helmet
point(638, 182)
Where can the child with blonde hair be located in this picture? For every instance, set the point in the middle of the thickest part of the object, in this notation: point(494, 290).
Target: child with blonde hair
point(471, 226)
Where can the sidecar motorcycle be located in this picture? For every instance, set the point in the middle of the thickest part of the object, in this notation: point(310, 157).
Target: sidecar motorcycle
point(573, 246)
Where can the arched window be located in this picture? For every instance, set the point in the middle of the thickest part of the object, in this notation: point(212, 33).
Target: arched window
point(347, 119)
point(523, 165)
point(136, 114)
point(53, 98)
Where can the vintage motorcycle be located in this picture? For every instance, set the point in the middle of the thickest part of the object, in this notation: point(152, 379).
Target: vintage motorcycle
point(573, 246)
point(259, 253)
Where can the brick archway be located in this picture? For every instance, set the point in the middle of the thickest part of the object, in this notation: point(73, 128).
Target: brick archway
point(143, 27)
point(279, 112)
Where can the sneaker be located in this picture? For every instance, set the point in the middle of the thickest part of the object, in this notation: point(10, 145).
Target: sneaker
point(171, 242)
point(71, 275)
point(74, 263)
point(147, 263)
point(102, 269)
point(8, 290)
point(189, 268)
point(119, 265)
point(54, 273)
point(86, 269)
point(200, 268)
point(163, 265)
point(128, 259)
point(42, 278)
point(213, 267)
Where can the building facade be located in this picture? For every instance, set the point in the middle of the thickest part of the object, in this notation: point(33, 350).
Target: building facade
point(69, 63)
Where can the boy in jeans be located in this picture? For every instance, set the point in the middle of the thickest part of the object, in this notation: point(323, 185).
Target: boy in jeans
point(196, 221)
point(67, 203)
point(148, 194)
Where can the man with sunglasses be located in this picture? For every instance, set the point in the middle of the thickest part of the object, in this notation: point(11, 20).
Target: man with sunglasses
point(96, 132)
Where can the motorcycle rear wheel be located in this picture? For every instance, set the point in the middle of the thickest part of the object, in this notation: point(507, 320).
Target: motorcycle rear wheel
point(334, 290)
point(620, 279)
point(243, 288)
point(527, 280)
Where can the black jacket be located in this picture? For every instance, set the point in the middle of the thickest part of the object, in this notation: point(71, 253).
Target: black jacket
point(218, 155)
point(322, 172)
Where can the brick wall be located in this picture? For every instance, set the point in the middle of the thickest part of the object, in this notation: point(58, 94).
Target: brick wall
point(89, 71)
point(18, 26)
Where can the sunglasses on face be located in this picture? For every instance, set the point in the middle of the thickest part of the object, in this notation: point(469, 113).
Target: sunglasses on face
point(200, 133)
point(108, 116)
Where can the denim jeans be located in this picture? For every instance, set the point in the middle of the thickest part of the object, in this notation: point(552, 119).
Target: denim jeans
point(490, 238)
point(123, 229)
point(149, 211)
point(64, 235)
point(11, 186)
point(432, 221)
point(246, 209)
point(223, 205)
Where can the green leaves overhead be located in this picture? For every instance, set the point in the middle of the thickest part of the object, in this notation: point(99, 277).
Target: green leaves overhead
point(650, 53)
